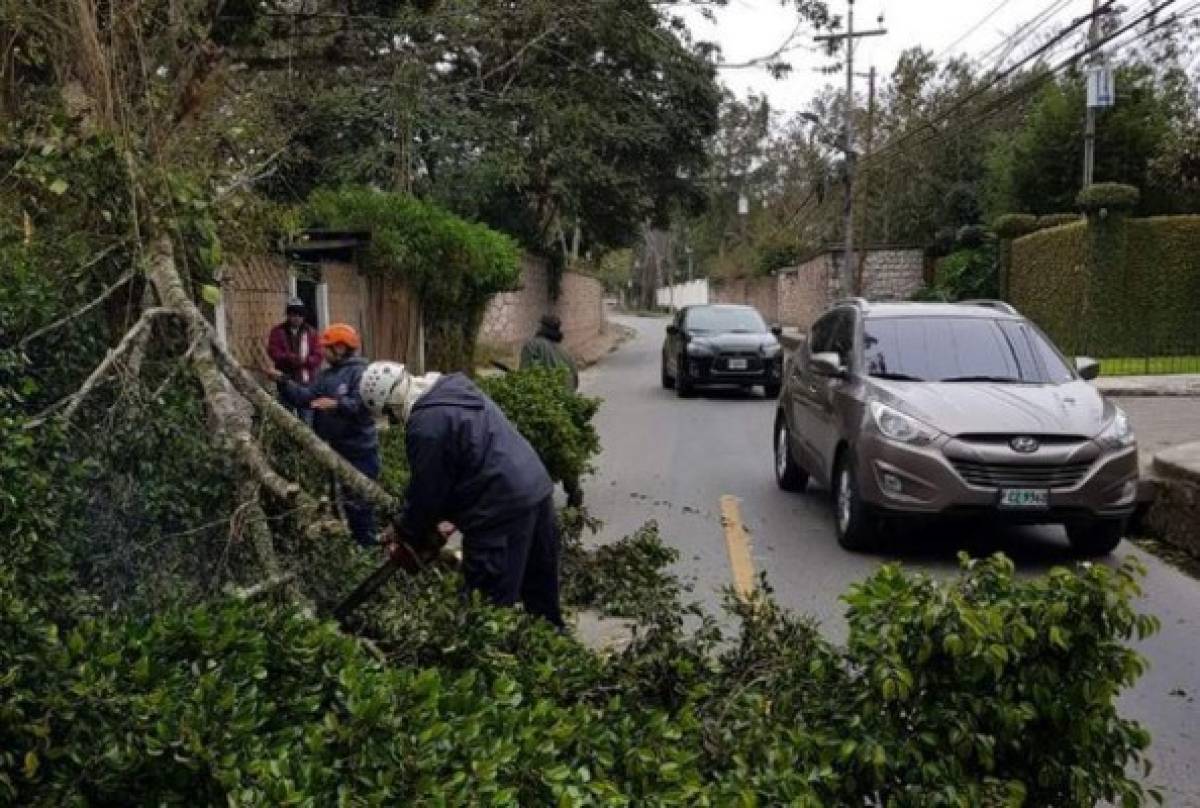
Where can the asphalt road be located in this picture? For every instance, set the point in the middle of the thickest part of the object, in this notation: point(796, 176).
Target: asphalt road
point(674, 460)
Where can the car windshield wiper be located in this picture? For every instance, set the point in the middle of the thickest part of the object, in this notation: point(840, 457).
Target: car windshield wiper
point(896, 377)
point(994, 379)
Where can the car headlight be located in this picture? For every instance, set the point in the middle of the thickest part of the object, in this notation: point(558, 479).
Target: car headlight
point(895, 425)
point(699, 349)
point(772, 351)
point(1119, 432)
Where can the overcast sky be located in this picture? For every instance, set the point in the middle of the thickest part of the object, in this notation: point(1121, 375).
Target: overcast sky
point(747, 29)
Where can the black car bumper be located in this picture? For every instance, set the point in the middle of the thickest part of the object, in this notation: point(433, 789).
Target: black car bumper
point(735, 370)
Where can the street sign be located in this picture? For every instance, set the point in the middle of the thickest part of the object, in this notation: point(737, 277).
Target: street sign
point(1101, 88)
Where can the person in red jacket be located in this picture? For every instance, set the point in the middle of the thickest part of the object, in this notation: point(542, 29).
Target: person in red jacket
point(294, 347)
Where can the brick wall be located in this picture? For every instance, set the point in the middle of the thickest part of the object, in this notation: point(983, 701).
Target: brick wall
point(805, 291)
point(512, 317)
point(893, 274)
point(255, 293)
point(761, 293)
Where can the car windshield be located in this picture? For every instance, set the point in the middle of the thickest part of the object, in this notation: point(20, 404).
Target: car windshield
point(720, 321)
point(960, 349)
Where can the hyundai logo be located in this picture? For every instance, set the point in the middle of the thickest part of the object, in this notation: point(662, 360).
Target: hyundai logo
point(1024, 444)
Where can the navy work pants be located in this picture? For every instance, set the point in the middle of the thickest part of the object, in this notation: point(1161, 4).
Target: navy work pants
point(360, 514)
point(518, 560)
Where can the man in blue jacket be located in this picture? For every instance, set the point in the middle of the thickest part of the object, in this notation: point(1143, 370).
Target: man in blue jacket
point(471, 468)
point(341, 419)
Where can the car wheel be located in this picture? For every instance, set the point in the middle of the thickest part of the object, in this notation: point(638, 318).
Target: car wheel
point(1097, 537)
point(855, 526)
point(667, 382)
point(772, 389)
point(683, 385)
point(788, 474)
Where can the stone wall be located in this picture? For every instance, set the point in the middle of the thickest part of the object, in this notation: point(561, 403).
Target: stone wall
point(512, 318)
point(798, 295)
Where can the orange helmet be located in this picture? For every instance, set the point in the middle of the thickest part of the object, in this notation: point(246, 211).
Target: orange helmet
point(341, 334)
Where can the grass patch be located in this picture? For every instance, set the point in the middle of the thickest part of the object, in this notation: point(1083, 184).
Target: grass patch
point(1149, 366)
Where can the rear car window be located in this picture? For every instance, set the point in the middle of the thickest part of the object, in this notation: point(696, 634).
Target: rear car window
point(960, 349)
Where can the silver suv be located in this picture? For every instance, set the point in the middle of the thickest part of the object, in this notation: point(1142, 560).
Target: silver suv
point(918, 409)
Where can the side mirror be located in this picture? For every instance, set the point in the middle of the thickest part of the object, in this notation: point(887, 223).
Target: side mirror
point(673, 329)
point(1087, 368)
point(777, 330)
point(826, 364)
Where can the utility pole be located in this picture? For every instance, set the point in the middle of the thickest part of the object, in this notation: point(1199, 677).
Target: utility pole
point(870, 76)
point(846, 282)
point(1089, 131)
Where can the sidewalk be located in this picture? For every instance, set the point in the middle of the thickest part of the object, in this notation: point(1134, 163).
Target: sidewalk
point(1186, 384)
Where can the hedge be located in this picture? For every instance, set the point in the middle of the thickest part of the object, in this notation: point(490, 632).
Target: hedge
point(1056, 220)
point(1047, 281)
point(1157, 271)
point(1014, 225)
point(1111, 195)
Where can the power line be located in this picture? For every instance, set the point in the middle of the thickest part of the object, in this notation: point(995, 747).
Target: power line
point(1005, 47)
point(995, 10)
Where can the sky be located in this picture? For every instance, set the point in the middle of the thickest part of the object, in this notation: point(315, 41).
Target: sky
point(747, 29)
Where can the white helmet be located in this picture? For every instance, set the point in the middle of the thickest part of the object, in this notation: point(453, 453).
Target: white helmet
point(384, 387)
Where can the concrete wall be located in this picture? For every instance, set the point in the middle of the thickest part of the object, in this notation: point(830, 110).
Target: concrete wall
point(695, 293)
point(512, 318)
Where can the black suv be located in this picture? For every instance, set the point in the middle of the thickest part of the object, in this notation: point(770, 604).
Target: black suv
point(918, 409)
point(721, 345)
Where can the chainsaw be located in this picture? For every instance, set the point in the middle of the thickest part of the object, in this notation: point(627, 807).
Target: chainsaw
point(401, 556)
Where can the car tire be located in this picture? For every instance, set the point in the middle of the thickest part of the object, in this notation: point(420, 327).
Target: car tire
point(856, 527)
point(683, 385)
point(1097, 537)
point(667, 382)
point(772, 390)
point(788, 474)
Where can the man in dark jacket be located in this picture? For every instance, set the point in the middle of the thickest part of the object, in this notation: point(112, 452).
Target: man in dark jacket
point(471, 468)
point(294, 346)
point(545, 350)
point(341, 419)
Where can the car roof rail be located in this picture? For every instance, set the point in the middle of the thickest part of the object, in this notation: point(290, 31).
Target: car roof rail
point(1003, 306)
point(857, 302)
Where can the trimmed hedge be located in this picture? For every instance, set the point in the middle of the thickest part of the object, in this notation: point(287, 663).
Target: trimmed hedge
point(1111, 195)
point(1047, 281)
point(1156, 270)
point(1014, 225)
point(1056, 220)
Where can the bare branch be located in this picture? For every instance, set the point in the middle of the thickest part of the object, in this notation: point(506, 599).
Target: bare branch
point(72, 402)
point(266, 587)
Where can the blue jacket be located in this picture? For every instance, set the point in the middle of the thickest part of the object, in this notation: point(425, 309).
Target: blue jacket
point(350, 429)
point(469, 465)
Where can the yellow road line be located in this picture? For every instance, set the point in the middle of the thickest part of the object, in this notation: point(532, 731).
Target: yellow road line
point(738, 545)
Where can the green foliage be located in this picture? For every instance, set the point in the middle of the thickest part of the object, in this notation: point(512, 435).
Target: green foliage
point(556, 421)
point(1014, 225)
point(1142, 265)
point(987, 689)
point(965, 274)
point(1046, 281)
point(625, 578)
point(1111, 195)
point(453, 265)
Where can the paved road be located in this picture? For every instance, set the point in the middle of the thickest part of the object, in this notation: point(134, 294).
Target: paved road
point(673, 460)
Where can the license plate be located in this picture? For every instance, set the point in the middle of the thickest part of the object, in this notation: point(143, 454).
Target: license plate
point(738, 364)
point(1024, 499)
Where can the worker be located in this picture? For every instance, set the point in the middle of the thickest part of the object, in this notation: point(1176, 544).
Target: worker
point(341, 419)
point(545, 349)
point(472, 470)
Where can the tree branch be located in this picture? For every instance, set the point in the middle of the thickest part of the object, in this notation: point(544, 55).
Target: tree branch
point(75, 315)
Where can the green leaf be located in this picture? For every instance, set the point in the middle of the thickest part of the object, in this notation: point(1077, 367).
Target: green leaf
point(210, 294)
point(59, 187)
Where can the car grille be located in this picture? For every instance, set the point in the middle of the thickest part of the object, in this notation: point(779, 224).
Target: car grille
point(996, 475)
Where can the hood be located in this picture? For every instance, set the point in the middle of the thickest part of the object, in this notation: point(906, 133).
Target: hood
point(964, 408)
point(734, 341)
point(455, 390)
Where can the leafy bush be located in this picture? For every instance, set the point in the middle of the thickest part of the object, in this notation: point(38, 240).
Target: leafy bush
point(1110, 195)
point(555, 420)
point(965, 274)
point(984, 690)
point(1014, 225)
point(453, 265)
point(971, 236)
